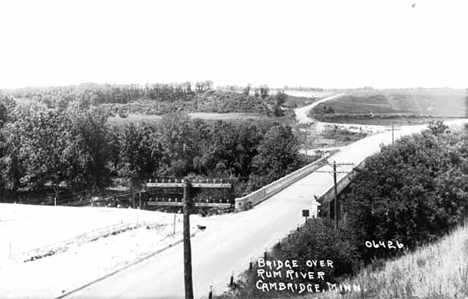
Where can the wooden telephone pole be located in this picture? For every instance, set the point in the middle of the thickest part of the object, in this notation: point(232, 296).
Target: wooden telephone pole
point(305, 126)
point(393, 133)
point(188, 283)
point(188, 204)
point(335, 185)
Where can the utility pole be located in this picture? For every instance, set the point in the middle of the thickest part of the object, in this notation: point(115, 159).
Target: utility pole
point(302, 128)
point(335, 186)
point(336, 195)
point(175, 218)
point(187, 246)
point(393, 134)
point(188, 204)
point(306, 141)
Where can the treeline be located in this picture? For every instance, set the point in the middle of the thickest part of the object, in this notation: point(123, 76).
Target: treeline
point(412, 193)
point(96, 94)
point(154, 98)
point(76, 149)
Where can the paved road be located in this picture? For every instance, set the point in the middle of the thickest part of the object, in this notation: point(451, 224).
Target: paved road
point(230, 241)
point(303, 118)
point(301, 113)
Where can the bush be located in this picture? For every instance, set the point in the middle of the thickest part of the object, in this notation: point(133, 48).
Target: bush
point(317, 240)
point(122, 113)
point(413, 192)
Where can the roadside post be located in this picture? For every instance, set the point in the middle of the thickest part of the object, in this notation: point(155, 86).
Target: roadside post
point(315, 210)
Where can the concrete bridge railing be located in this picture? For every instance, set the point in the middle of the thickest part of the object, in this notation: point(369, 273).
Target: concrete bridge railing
point(256, 197)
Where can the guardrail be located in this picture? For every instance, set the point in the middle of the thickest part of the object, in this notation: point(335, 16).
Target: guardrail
point(256, 197)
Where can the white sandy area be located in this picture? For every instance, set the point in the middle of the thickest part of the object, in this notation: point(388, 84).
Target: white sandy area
point(87, 243)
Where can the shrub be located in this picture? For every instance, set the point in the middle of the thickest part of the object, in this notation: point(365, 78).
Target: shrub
point(412, 192)
point(317, 240)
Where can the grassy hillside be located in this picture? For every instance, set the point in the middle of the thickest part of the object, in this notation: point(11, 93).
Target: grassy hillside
point(233, 117)
point(357, 106)
point(209, 101)
point(438, 270)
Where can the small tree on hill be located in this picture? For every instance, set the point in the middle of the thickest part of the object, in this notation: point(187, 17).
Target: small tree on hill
point(256, 93)
point(437, 127)
point(246, 90)
point(264, 91)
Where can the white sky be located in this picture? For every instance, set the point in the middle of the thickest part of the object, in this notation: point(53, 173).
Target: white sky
point(310, 43)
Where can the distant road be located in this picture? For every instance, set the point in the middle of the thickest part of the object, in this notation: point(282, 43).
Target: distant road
point(231, 241)
point(301, 113)
point(302, 118)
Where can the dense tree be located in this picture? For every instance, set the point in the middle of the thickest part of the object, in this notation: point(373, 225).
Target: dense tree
point(437, 127)
point(277, 155)
point(43, 141)
point(140, 152)
point(12, 170)
point(264, 91)
point(246, 90)
point(412, 192)
point(178, 142)
point(89, 148)
point(5, 108)
point(75, 148)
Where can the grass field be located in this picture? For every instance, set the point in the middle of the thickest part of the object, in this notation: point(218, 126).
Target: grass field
point(382, 121)
point(438, 270)
point(310, 94)
point(208, 116)
point(441, 102)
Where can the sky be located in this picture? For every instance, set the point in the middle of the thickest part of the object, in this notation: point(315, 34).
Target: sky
point(327, 44)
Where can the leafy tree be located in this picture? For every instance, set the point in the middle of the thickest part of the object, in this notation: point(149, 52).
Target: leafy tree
point(114, 142)
point(280, 98)
point(43, 142)
point(178, 143)
point(246, 90)
point(32, 155)
point(88, 149)
point(12, 168)
point(256, 93)
point(140, 152)
point(315, 241)
point(7, 104)
point(437, 127)
point(222, 148)
point(277, 153)
point(412, 192)
point(264, 91)
point(248, 138)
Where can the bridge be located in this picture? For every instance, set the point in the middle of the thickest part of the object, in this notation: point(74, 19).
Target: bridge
point(231, 241)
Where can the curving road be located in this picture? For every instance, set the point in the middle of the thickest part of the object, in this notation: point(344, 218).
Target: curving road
point(301, 113)
point(230, 241)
